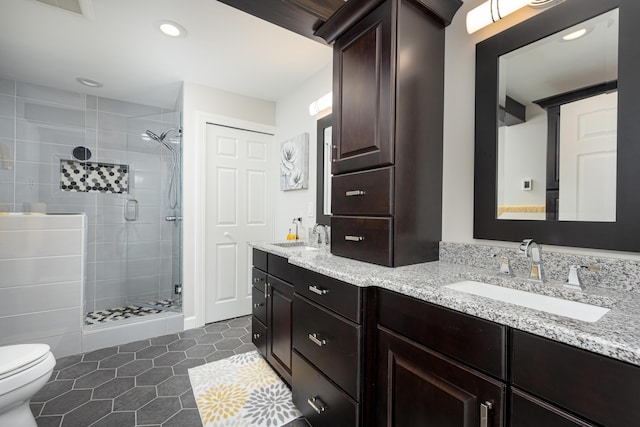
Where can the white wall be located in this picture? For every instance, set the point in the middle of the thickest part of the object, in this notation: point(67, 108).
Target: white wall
point(201, 99)
point(292, 118)
point(459, 92)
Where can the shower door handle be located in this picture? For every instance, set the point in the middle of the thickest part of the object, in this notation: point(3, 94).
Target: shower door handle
point(127, 210)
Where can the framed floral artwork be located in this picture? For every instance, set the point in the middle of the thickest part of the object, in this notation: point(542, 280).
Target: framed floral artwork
point(294, 163)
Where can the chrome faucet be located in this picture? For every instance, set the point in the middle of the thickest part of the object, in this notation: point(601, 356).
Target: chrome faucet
point(326, 233)
point(531, 249)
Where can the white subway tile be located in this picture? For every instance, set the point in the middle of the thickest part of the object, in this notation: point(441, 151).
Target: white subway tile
point(41, 222)
point(61, 345)
point(39, 325)
point(40, 243)
point(44, 93)
point(31, 299)
point(33, 271)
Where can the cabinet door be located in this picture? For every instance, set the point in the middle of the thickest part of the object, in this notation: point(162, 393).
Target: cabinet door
point(363, 94)
point(279, 324)
point(528, 411)
point(417, 386)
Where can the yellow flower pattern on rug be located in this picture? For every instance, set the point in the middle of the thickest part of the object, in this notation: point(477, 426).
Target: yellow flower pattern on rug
point(257, 374)
point(221, 402)
point(239, 391)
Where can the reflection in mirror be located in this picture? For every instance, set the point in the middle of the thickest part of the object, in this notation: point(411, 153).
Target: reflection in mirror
point(323, 174)
point(557, 135)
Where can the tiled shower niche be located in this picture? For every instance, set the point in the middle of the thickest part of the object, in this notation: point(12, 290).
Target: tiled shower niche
point(92, 177)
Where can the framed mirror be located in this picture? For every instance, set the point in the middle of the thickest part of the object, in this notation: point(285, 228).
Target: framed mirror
point(323, 170)
point(555, 148)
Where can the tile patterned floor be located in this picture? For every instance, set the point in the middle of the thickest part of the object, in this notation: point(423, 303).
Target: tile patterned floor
point(143, 383)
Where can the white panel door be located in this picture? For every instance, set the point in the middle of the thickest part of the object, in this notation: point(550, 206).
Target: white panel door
point(238, 210)
point(588, 154)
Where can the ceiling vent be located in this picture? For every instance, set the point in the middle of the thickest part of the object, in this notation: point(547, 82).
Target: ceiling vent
point(78, 7)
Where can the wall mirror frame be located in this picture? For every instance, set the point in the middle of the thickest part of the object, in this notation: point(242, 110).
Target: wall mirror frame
point(624, 233)
point(323, 174)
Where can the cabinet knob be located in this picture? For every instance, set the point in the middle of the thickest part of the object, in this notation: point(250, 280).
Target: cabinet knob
point(354, 238)
point(318, 290)
point(355, 193)
point(317, 404)
point(256, 336)
point(256, 305)
point(317, 340)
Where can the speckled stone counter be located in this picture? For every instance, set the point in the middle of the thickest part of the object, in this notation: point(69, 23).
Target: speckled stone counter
point(616, 335)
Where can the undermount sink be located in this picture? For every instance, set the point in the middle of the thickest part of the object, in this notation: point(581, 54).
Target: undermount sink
point(574, 310)
point(296, 244)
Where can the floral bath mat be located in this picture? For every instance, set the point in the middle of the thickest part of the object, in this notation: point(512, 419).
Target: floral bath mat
point(241, 390)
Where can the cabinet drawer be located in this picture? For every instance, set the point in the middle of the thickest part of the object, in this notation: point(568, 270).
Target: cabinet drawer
point(259, 335)
point(311, 388)
point(329, 342)
point(259, 305)
point(258, 279)
point(595, 387)
point(363, 193)
point(280, 267)
point(260, 259)
point(527, 411)
point(362, 238)
point(333, 294)
point(474, 341)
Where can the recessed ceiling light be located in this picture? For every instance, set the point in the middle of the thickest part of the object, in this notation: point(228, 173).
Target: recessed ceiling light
point(575, 35)
point(89, 82)
point(172, 29)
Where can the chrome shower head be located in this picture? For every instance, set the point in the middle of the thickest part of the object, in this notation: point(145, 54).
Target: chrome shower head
point(161, 139)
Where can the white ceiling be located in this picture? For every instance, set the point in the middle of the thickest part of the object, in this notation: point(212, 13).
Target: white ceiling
point(122, 48)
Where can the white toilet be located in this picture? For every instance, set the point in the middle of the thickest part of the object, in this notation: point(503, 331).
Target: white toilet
point(24, 370)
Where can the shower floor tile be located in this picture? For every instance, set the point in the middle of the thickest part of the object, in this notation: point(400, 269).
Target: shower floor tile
point(122, 313)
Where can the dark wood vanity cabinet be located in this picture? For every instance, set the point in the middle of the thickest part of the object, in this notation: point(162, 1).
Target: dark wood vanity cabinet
point(422, 371)
point(273, 310)
point(387, 131)
point(328, 344)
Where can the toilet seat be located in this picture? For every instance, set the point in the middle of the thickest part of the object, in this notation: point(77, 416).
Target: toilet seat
point(17, 358)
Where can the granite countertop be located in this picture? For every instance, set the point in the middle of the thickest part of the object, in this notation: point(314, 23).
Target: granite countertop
point(616, 335)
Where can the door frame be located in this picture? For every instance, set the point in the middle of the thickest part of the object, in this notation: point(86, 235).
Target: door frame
point(200, 192)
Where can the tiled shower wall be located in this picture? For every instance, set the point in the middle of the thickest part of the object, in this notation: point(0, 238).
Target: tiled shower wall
point(39, 126)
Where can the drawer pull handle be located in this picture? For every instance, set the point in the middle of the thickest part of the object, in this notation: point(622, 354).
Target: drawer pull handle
point(318, 341)
point(355, 193)
point(317, 290)
point(484, 413)
point(317, 405)
point(256, 305)
point(256, 336)
point(354, 238)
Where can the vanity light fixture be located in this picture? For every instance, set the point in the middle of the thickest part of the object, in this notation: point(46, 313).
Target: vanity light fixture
point(491, 11)
point(575, 35)
point(172, 29)
point(321, 104)
point(88, 82)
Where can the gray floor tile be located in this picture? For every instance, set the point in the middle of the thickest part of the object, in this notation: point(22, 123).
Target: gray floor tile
point(114, 388)
point(165, 339)
point(117, 419)
point(95, 378)
point(151, 352)
point(134, 368)
point(36, 408)
point(188, 399)
point(200, 350)
point(244, 348)
point(134, 346)
point(234, 333)
point(66, 402)
point(49, 421)
point(228, 344)
point(134, 399)
point(183, 367)
point(219, 355)
point(116, 360)
point(182, 345)
point(170, 358)
point(216, 327)
point(51, 390)
point(174, 386)
point(158, 410)
point(184, 418)
point(153, 376)
point(193, 333)
point(210, 338)
point(65, 362)
point(99, 354)
point(240, 322)
point(87, 414)
point(78, 370)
